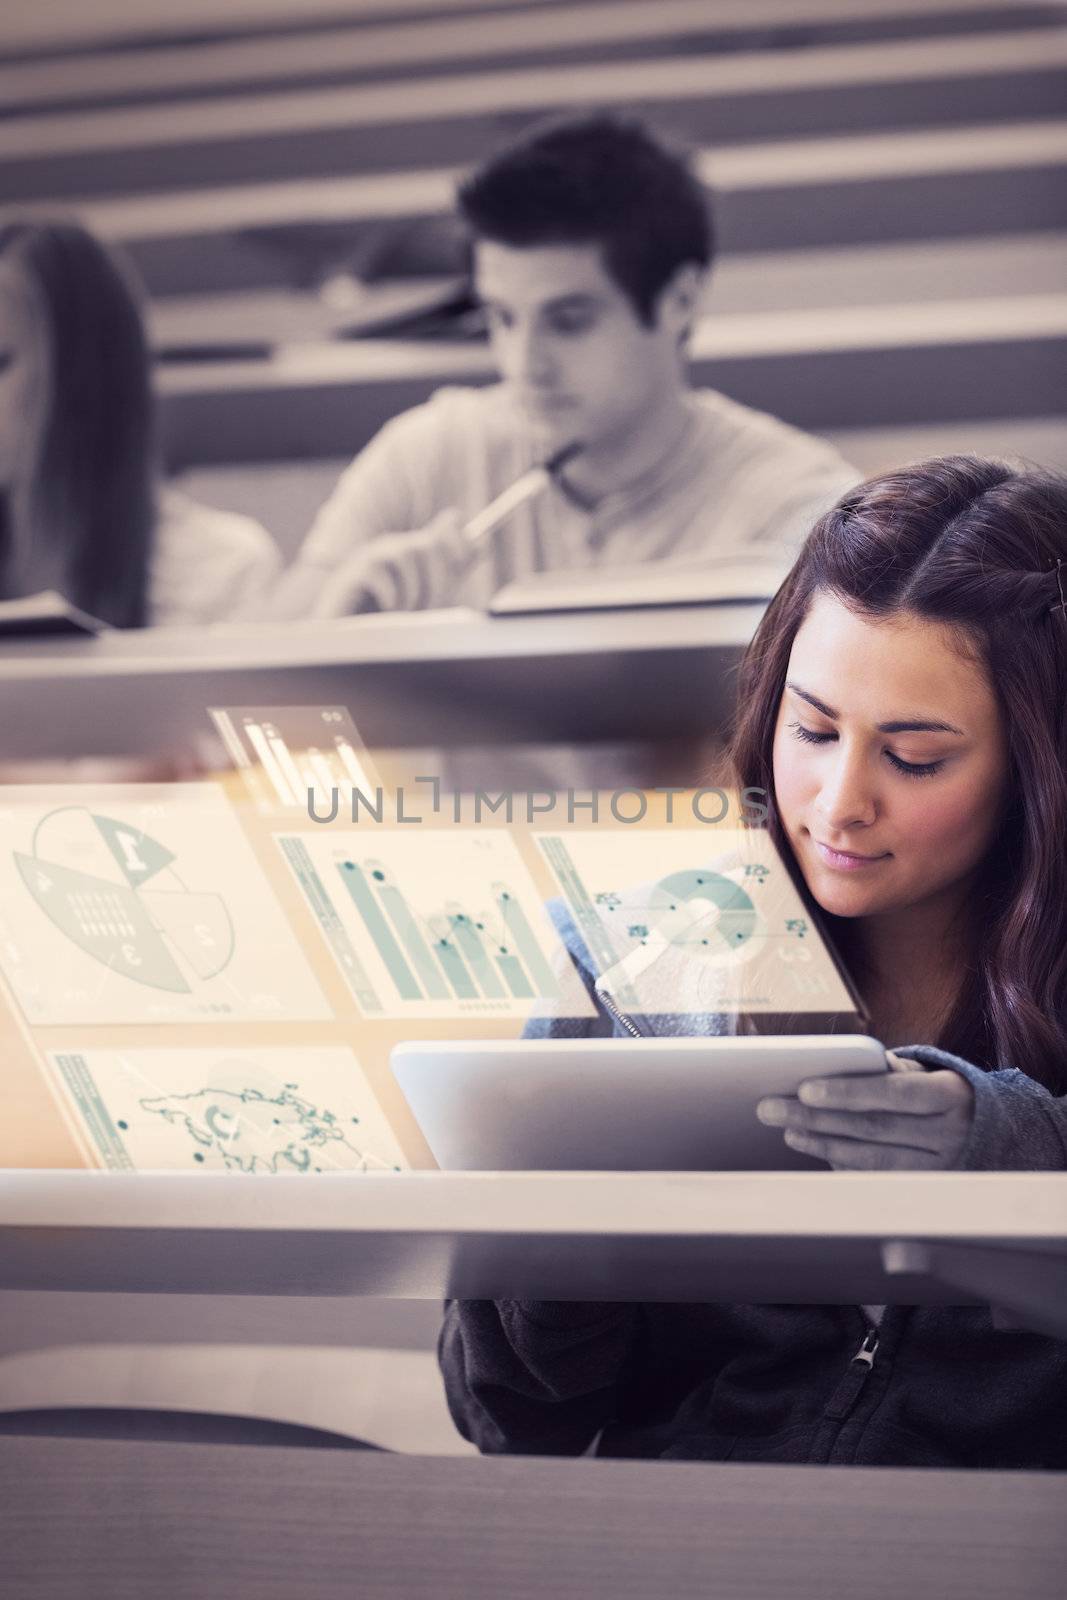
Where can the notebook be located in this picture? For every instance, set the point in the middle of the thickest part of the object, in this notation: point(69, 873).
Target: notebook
point(736, 578)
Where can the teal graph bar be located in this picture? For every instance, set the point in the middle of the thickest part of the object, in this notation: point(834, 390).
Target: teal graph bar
point(379, 930)
point(452, 963)
point(468, 938)
point(332, 927)
point(520, 931)
point(400, 915)
point(517, 980)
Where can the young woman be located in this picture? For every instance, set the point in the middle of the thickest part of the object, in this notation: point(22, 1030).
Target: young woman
point(904, 704)
point(80, 507)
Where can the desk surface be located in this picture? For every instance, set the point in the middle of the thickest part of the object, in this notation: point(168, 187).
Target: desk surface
point(182, 1521)
point(807, 1237)
point(437, 678)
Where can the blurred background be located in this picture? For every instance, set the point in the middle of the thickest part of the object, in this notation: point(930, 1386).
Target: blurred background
point(889, 177)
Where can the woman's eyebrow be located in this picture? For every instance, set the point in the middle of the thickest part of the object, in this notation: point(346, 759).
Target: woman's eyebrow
point(920, 727)
point(906, 726)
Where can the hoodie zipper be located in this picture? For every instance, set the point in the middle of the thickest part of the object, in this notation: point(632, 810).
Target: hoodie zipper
point(849, 1389)
point(852, 1383)
point(609, 1005)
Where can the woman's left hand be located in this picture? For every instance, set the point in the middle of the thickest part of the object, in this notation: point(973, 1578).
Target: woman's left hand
point(883, 1123)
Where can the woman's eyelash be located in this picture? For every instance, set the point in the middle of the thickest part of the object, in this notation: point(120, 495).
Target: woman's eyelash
point(914, 769)
point(909, 768)
point(808, 735)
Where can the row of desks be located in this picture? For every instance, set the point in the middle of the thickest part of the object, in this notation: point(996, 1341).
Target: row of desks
point(730, 100)
point(354, 48)
point(267, 185)
point(791, 281)
point(785, 195)
point(877, 366)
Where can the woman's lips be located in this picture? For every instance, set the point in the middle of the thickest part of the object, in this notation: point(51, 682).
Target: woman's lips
point(847, 860)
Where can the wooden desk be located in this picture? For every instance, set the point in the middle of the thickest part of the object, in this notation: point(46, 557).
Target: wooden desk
point(437, 679)
point(91, 1519)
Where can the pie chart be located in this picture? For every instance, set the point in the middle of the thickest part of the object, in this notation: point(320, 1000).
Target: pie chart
point(115, 892)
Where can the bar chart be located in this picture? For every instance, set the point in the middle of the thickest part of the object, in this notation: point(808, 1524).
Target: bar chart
point(306, 759)
point(443, 924)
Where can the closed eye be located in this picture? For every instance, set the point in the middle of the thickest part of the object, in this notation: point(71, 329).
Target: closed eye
point(911, 769)
point(914, 769)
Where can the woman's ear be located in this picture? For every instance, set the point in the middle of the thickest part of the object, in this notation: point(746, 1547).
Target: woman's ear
point(680, 298)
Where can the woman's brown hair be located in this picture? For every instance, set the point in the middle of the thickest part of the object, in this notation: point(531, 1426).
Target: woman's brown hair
point(981, 548)
point(91, 493)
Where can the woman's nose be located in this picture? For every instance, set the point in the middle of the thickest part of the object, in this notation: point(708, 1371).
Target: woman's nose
point(847, 797)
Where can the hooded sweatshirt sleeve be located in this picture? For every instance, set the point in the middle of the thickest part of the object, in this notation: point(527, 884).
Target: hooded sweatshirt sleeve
point(1018, 1125)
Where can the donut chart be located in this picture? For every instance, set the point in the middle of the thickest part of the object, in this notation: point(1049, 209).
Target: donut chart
point(675, 921)
point(730, 920)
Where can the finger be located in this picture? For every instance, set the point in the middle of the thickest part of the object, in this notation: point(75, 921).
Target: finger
point(856, 1155)
point(875, 1127)
point(903, 1063)
point(446, 531)
point(385, 581)
point(911, 1094)
point(363, 583)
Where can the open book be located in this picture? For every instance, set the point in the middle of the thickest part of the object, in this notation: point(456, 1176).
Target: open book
point(734, 577)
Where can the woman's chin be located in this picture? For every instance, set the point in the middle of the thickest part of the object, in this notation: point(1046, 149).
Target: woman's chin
point(842, 899)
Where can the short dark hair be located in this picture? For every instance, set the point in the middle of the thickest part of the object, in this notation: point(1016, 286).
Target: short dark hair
point(600, 179)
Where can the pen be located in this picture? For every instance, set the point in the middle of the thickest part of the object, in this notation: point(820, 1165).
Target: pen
point(531, 483)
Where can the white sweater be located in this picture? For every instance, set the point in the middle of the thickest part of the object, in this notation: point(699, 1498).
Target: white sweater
point(738, 478)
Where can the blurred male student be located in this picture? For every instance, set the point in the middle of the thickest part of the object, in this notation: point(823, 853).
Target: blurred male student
point(591, 243)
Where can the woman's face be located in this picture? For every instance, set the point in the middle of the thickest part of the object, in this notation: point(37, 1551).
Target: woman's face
point(890, 760)
point(23, 375)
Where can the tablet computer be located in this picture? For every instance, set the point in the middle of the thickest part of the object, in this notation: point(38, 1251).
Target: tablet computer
point(633, 1105)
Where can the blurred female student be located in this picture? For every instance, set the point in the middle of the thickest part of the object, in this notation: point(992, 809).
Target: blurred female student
point(82, 509)
point(904, 704)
